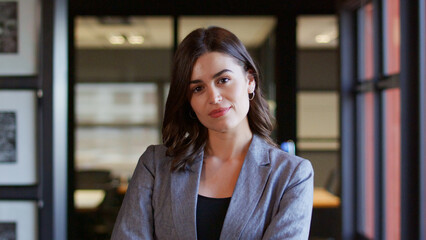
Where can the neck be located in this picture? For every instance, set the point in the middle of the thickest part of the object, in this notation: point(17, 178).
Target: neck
point(228, 146)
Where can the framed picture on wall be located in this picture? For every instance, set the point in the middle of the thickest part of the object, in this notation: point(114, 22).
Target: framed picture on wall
point(19, 25)
point(17, 137)
point(18, 220)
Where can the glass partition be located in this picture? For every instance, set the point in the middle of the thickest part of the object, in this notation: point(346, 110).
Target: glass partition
point(122, 68)
point(318, 128)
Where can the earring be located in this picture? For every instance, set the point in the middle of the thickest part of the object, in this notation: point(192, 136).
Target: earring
point(251, 97)
point(191, 115)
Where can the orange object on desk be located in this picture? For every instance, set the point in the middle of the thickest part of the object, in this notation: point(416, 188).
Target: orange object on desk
point(325, 199)
point(122, 189)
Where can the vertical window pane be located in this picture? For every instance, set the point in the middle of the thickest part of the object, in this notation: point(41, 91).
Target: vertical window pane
point(365, 42)
point(391, 36)
point(366, 162)
point(392, 158)
point(366, 137)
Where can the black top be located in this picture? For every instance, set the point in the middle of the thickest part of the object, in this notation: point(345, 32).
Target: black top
point(211, 213)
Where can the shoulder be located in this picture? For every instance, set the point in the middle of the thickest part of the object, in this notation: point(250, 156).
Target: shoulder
point(154, 159)
point(155, 151)
point(279, 158)
point(289, 171)
point(285, 168)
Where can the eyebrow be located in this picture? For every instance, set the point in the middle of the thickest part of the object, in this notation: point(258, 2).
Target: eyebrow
point(214, 76)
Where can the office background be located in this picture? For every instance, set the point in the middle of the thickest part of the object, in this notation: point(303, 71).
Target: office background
point(371, 155)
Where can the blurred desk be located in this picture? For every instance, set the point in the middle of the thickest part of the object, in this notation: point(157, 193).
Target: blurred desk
point(87, 200)
point(325, 199)
point(325, 215)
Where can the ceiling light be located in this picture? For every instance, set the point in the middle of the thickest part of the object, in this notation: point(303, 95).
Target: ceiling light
point(116, 39)
point(322, 38)
point(135, 39)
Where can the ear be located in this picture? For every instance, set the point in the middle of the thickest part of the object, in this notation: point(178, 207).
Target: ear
point(251, 81)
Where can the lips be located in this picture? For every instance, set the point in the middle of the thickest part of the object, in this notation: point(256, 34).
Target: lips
point(219, 112)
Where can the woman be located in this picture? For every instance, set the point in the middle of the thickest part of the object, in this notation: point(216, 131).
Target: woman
point(218, 173)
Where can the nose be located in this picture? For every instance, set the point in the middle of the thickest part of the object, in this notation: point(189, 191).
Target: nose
point(214, 96)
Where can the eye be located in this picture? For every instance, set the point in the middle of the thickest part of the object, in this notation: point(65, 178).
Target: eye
point(197, 89)
point(223, 80)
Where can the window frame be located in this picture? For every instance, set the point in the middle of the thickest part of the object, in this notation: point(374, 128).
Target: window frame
point(422, 89)
point(408, 81)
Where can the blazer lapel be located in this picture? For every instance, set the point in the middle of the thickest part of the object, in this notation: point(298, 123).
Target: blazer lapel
point(248, 190)
point(184, 192)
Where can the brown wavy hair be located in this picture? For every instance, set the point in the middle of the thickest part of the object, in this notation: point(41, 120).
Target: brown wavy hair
point(183, 134)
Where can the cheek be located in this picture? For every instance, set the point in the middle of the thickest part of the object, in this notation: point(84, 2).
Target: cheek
point(245, 104)
point(241, 95)
point(196, 104)
point(192, 102)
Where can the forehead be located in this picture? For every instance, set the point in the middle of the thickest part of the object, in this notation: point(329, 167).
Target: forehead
point(211, 63)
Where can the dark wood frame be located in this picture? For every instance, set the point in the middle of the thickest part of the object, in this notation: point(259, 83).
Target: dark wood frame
point(348, 74)
point(422, 89)
point(410, 121)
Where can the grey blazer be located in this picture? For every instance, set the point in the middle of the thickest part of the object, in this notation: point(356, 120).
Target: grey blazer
point(271, 200)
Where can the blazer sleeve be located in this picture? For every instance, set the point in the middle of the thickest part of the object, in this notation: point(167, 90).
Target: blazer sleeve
point(293, 218)
point(135, 218)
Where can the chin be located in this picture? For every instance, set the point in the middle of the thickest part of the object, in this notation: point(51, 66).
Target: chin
point(222, 128)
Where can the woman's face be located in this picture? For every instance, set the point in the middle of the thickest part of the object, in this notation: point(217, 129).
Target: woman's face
point(219, 92)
